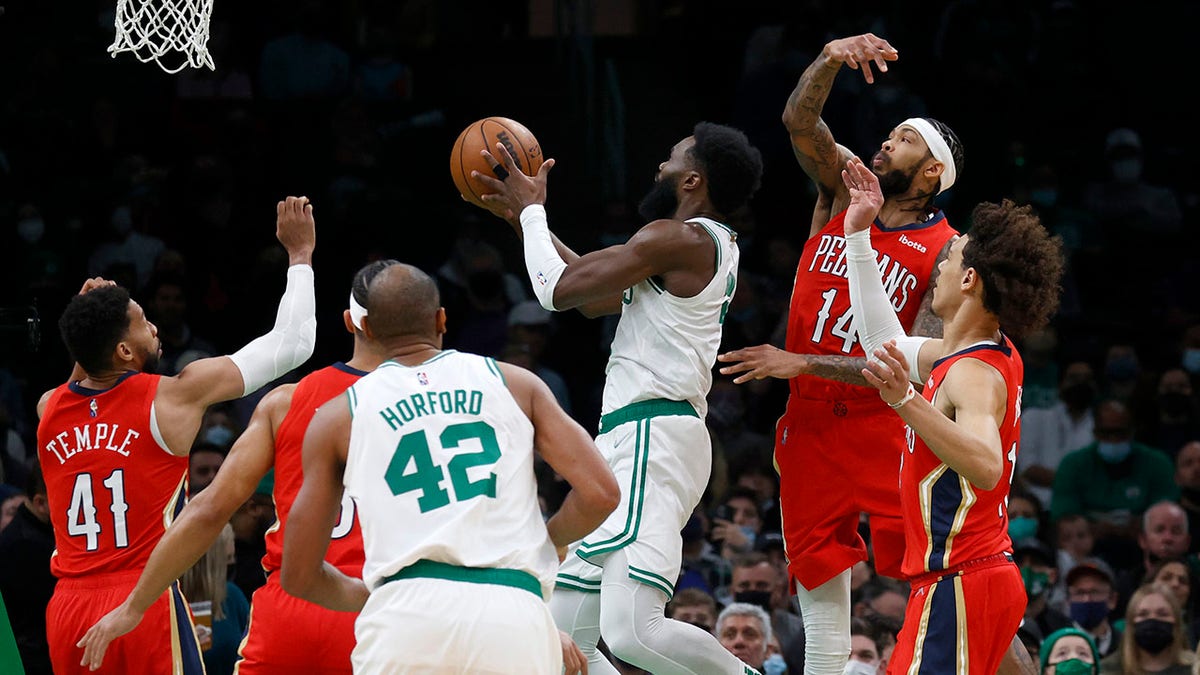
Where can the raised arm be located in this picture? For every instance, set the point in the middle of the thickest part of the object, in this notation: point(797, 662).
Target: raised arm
point(304, 573)
point(290, 342)
point(812, 142)
point(192, 533)
point(568, 448)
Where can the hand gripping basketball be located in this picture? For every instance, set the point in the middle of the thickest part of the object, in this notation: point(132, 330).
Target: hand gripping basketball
point(510, 194)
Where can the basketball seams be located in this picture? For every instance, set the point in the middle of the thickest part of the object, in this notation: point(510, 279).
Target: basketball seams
point(489, 129)
point(462, 169)
point(527, 169)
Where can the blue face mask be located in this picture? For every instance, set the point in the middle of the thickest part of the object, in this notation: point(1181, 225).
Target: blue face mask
point(1191, 361)
point(1022, 527)
point(774, 665)
point(1114, 453)
point(750, 534)
point(219, 435)
point(1089, 614)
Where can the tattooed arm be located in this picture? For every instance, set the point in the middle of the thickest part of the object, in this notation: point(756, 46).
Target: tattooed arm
point(926, 323)
point(763, 361)
point(821, 158)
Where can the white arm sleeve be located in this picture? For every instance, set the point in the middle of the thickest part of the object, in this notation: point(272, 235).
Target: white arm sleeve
point(290, 342)
point(874, 319)
point(542, 261)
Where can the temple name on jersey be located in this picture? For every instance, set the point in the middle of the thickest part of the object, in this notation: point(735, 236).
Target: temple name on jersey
point(898, 281)
point(458, 401)
point(98, 436)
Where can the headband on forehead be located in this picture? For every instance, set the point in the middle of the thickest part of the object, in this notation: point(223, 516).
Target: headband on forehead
point(357, 312)
point(938, 148)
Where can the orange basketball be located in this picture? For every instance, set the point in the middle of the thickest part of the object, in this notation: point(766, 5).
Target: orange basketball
point(485, 133)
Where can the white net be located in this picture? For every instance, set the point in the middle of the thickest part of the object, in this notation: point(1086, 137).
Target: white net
point(172, 33)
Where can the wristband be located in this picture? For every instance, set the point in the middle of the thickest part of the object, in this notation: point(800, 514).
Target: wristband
point(908, 396)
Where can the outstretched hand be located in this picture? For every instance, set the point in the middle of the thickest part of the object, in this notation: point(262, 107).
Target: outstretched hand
point(866, 198)
point(296, 229)
point(510, 196)
point(860, 51)
point(761, 361)
point(110, 627)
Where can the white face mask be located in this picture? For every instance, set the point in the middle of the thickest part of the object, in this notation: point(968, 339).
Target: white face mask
point(859, 668)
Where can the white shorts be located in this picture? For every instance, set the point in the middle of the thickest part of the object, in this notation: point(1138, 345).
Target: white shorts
point(662, 463)
point(443, 627)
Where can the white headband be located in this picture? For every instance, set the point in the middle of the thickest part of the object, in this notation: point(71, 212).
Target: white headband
point(357, 312)
point(937, 147)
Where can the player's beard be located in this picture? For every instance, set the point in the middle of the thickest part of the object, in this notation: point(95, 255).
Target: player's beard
point(895, 182)
point(150, 361)
point(660, 202)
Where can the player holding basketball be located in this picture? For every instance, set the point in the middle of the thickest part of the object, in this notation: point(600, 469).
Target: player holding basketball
point(671, 283)
point(286, 634)
point(113, 445)
point(999, 283)
point(834, 424)
point(436, 449)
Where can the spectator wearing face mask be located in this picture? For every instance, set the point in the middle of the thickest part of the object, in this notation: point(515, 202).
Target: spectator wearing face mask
point(756, 581)
point(1189, 358)
point(1153, 641)
point(1173, 418)
point(1048, 434)
point(1113, 481)
point(1040, 574)
point(865, 653)
point(737, 522)
point(1091, 589)
point(1069, 651)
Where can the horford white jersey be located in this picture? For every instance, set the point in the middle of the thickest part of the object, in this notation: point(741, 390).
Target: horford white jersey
point(440, 466)
point(665, 346)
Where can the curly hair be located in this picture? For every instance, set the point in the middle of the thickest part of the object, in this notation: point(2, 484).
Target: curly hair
point(1019, 264)
point(732, 166)
point(92, 324)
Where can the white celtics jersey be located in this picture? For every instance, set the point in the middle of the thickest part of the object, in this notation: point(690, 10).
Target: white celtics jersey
point(665, 346)
point(440, 466)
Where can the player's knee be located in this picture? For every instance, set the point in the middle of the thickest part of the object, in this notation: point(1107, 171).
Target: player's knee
point(628, 638)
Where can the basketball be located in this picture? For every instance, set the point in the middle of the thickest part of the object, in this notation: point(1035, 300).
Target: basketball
point(484, 134)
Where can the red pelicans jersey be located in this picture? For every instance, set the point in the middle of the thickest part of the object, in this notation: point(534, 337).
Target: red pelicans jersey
point(113, 489)
point(820, 320)
point(947, 520)
point(346, 548)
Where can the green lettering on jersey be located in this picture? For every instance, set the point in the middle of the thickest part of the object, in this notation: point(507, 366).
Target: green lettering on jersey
point(426, 476)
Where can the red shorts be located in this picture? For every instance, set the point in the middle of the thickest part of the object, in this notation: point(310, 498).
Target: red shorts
point(960, 622)
point(289, 635)
point(837, 460)
point(164, 642)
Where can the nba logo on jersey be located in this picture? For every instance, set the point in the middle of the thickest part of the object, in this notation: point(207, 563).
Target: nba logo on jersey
point(423, 379)
point(541, 278)
point(909, 437)
point(94, 408)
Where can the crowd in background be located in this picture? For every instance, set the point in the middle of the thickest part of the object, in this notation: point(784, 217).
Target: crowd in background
point(167, 184)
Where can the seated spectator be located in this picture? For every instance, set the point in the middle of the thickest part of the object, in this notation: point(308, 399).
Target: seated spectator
point(883, 596)
point(1173, 419)
point(167, 307)
point(865, 654)
point(1163, 535)
point(1075, 544)
point(1069, 651)
point(702, 567)
point(737, 522)
point(694, 606)
point(1113, 481)
point(1187, 477)
point(1180, 578)
point(1049, 434)
point(1091, 589)
point(744, 630)
point(1040, 573)
point(758, 582)
point(224, 611)
point(1153, 641)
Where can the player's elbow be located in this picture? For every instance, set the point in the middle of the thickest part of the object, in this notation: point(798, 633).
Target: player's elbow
point(607, 497)
point(989, 475)
point(295, 581)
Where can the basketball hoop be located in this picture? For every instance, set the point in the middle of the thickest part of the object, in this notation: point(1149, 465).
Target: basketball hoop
point(154, 29)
